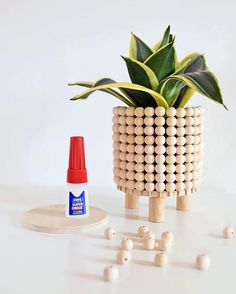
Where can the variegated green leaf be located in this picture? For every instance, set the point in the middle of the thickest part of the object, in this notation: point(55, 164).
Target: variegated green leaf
point(166, 38)
point(141, 74)
point(138, 50)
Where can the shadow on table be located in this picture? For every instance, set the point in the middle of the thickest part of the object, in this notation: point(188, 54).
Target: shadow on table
point(90, 276)
point(183, 264)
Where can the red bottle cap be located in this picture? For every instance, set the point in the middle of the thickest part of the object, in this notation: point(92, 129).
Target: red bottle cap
point(77, 173)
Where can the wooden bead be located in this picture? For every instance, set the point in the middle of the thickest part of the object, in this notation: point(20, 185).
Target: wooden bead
point(164, 244)
point(139, 167)
point(180, 158)
point(122, 120)
point(159, 121)
point(115, 128)
point(116, 163)
point(160, 111)
point(130, 166)
point(196, 121)
point(139, 130)
point(149, 234)
point(195, 175)
point(139, 177)
point(170, 168)
point(180, 168)
point(180, 150)
point(170, 187)
point(116, 146)
point(189, 111)
point(130, 120)
point(203, 261)
point(160, 140)
point(180, 141)
point(180, 131)
point(123, 165)
point(130, 111)
point(149, 131)
point(148, 243)
point(130, 185)
point(195, 183)
point(139, 111)
point(197, 139)
point(180, 186)
point(149, 121)
point(180, 112)
point(196, 130)
point(123, 182)
point(139, 149)
point(109, 233)
point(170, 178)
point(188, 167)
point(116, 137)
point(160, 131)
point(149, 178)
point(171, 121)
point(188, 185)
point(170, 131)
point(180, 122)
point(170, 150)
point(160, 168)
point(189, 148)
point(110, 273)
point(170, 159)
point(188, 176)
point(160, 149)
point(149, 168)
point(139, 158)
point(196, 148)
point(142, 230)
point(115, 119)
point(123, 257)
point(139, 186)
point(171, 141)
point(189, 121)
point(149, 140)
point(139, 140)
point(130, 157)
point(130, 139)
point(160, 187)
point(122, 110)
point(167, 235)
point(196, 111)
point(171, 111)
point(160, 178)
point(115, 110)
point(123, 147)
point(123, 138)
point(130, 175)
point(149, 111)
point(123, 156)
point(189, 157)
point(189, 130)
point(160, 158)
point(138, 121)
point(149, 149)
point(149, 158)
point(126, 244)
point(189, 140)
point(130, 130)
point(116, 154)
point(228, 233)
point(180, 177)
point(122, 174)
point(130, 148)
point(161, 259)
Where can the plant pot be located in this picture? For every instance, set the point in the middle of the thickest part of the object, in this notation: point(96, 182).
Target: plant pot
point(157, 153)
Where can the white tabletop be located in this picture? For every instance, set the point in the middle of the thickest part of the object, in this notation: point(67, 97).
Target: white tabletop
point(32, 262)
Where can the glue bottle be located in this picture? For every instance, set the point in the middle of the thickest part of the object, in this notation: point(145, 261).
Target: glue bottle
point(77, 204)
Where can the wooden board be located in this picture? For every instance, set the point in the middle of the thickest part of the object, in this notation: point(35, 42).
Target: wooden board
point(52, 219)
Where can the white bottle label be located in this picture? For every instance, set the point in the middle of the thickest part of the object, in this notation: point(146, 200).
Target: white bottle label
point(77, 202)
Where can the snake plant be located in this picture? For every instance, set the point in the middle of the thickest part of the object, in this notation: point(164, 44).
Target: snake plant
point(157, 77)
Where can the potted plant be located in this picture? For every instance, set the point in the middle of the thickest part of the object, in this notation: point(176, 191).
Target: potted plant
point(157, 140)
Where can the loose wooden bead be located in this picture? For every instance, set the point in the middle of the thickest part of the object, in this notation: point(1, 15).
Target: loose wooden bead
point(139, 130)
point(167, 235)
point(142, 230)
point(139, 140)
point(160, 149)
point(188, 185)
point(160, 140)
point(130, 157)
point(203, 261)
point(180, 131)
point(148, 243)
point(130, 111)
point(170, 178)
point(170, 150)
point(170, 159)
point(159, 121)
point(164, 245)
point(180, 150)
point(149, 130)
point(171, 121)
point(188, 167)
point(180, 186)
point(180, 112)
point(160, 159)
point(171, 111)
point(130, 175)
point(181, 122)
point(122, 120)
point(188, 176)
point(110, 273)
point(160, 178)
point(139, 186)
point(126, 244)
point(160, 168)
point(123, 138)
point(149, 158)
point(130, 120)
point(189, 121)
point(122, 110)
point(149, 149)
point(149, 121)
point(149, 111)
point(139, 149)
point(149, 187)
point(123, 165)
point(109, 233)
point(139, 111)
point(189, 148)
point(138, 121)
point(149, 178)
point(130, 185)
point(149, 140)
point(189, 130)
point(189, 140)
point(189, 111)
point(180, 177)
point(123, 257)
point(139, 158)
point(160, 111)
point(189, 157)
point(149, 168)
point(149, 234)
point(139, 177)
point(171, 141)
point(180, 158)
point(170, 187)
point(170, 131)
point(160, 131)
point(160, 187)
point(161, 259)
point(170, 168)
point(180, 141)
point(131, 139)
point(180, 168)
point(228, 233)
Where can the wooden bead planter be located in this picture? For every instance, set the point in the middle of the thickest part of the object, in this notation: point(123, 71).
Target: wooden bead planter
point(157, 153)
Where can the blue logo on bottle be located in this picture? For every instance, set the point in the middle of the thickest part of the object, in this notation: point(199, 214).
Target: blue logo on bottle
point(77, 204)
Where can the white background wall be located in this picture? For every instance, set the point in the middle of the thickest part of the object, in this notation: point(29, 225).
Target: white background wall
point(47, 43)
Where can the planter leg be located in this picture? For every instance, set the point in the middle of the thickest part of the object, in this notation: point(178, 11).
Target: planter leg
point(183, 203)
point(131, 201)
point(156, 209)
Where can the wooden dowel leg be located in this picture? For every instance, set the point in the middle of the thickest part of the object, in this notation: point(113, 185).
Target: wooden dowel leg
point(131, 201)
point(183, 203)
point(156, 209)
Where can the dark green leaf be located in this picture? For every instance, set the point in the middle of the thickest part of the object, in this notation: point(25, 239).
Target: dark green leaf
point(138, 50)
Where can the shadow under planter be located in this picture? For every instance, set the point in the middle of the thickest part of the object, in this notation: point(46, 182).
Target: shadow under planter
point(157, 153)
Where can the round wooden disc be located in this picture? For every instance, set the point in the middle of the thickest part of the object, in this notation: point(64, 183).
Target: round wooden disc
point(52, 219)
